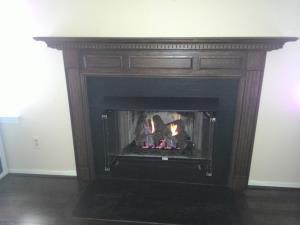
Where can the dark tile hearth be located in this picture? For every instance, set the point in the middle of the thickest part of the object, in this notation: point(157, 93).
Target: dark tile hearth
point(158, 202)
point(54, 201)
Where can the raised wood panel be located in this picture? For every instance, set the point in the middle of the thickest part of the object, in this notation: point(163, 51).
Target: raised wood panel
point(163, 63)
point(160, 62)
point(95, 63)
point(220, 62)
point(102, 62)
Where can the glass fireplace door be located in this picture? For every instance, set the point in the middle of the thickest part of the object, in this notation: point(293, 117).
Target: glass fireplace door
point(185, 136)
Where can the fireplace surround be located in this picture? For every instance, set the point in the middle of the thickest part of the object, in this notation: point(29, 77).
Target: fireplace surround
point(168, 109)
point(132, 128)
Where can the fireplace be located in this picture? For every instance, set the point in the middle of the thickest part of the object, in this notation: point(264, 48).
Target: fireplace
point(165, 109)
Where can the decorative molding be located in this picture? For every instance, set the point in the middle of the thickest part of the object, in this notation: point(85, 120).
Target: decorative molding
point(274, 184)
point(262, 44)
point(44, 172)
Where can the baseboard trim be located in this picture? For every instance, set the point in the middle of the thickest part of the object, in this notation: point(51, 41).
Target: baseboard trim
point(274, 184)
point(71, 173)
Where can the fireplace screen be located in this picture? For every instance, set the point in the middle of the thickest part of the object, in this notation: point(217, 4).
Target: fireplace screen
point(158, 135)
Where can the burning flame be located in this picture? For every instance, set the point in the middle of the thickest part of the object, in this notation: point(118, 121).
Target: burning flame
point(152, 126)
point(174, 129)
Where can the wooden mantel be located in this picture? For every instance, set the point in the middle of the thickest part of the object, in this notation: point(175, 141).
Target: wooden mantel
point(213, 43)
point(241, 58)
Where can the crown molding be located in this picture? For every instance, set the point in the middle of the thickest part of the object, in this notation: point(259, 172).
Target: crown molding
point(226, 43)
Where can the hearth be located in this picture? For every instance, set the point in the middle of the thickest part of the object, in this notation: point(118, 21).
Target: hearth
point(165, 109)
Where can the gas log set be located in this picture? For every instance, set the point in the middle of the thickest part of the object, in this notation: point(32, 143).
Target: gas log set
point(154, 134)
point(157, 132)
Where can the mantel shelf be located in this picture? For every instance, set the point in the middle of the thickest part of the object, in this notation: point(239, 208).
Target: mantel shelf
point(207, 43)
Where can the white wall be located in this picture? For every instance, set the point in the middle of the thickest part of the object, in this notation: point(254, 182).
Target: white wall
point(44, 112)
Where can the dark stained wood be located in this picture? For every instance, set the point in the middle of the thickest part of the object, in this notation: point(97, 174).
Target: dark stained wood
point(163, 63)
point(51, 201)
point(245, 122)
point(209, 43)
point(79, 117)
point(160, 62)
point(102, 62)
point(220, 62)
point(224, 58)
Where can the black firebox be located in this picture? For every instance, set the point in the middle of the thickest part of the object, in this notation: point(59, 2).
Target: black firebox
point(155, 129)
point(175, 132)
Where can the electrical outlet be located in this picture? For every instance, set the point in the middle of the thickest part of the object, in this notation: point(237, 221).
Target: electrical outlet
point(36, 142)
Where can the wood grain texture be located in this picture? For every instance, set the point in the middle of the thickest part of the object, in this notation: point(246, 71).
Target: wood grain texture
point(79, 116)
point(245, 122)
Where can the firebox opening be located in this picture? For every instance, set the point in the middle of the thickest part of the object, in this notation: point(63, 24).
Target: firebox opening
point(173, 135)
point(164, 133)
